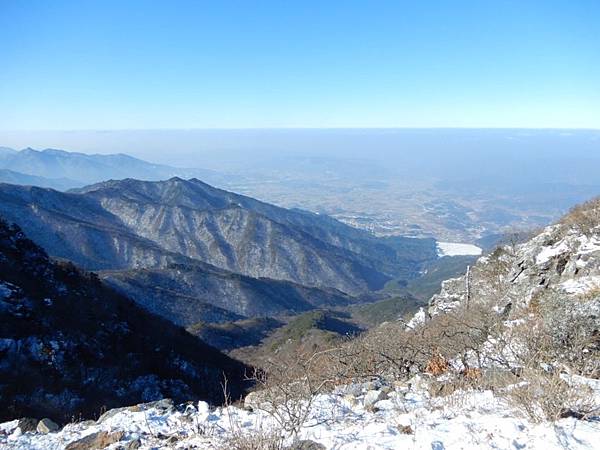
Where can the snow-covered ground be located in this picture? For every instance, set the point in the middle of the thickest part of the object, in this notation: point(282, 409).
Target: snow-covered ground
point(407, 418)
point(457, 249)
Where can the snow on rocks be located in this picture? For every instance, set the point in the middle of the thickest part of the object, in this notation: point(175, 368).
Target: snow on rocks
point(372, 397)
point(419, 318)
point(560, 259)
point(581, 285)
point(406, 417)
point(551, 251)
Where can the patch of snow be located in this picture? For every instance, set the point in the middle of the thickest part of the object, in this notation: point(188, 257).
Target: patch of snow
point(465, 419)
point(589, 245)
point(457, 249)
point(550, 252)
point(417, 319)
point(581, 285)
point(9, 427)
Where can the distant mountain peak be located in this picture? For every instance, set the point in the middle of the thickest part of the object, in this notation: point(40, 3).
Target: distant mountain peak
point(80, 169)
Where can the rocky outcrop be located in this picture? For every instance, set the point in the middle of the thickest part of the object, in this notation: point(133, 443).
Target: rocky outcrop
point(47, 426)
point(98, 440)
point(561, 260)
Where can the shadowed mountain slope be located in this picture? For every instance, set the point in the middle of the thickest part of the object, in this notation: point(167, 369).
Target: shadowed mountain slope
point(69, 345)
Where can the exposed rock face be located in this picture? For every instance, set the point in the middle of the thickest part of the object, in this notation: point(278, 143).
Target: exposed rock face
point(47, 426)
point(213, 235)
point(98, 440)
point(69, 345)
point(27, 424)
point(563, 261)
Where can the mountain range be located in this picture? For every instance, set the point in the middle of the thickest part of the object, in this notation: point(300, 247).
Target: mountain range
point(192, 252)
point(62, 170)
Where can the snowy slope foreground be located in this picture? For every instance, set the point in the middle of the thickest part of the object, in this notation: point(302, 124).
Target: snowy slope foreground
point(407, 417)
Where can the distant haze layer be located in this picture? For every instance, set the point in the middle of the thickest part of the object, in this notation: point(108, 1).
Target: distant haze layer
point(457, 185)
point(547, 154)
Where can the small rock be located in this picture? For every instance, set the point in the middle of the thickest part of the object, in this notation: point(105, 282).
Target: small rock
point(111, 413)
point(189, 410)
point(352, 389)
point(373, 397)
point(47, 426)
point(405, 429)
point(94, 441)
point(27, 424)
point(400, 386)
point(16, 434)
point(306, 445)
point(417, 383)
point(251, 401)
point(370, 386)
point(386, 390)
point(203, 408)
point(133, 444)
point(172, 439)
point(350, 399)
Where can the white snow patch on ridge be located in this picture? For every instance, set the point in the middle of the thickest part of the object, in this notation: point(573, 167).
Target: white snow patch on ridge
point(550, 252)
point(457, 249)
point(581, 285)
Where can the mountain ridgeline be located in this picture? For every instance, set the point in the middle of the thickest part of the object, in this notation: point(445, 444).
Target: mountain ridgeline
point(62, 170)
point(192, 252)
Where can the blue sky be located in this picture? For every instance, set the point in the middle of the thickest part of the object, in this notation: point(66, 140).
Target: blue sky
point(69, 65)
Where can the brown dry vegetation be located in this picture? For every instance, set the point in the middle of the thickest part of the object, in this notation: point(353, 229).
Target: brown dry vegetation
point(526, 363)
point(585, 217)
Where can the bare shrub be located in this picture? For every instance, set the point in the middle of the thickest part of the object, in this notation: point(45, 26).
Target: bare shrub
point(392, 352)
point(546, 396)
point(563, 333)
point(475, 346)
point(584, 217)
point(256, 440)
point(239, 438)
point(573, 327)
point(288, 386)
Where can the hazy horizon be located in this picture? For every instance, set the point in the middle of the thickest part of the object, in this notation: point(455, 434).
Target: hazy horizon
point(183, 147)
